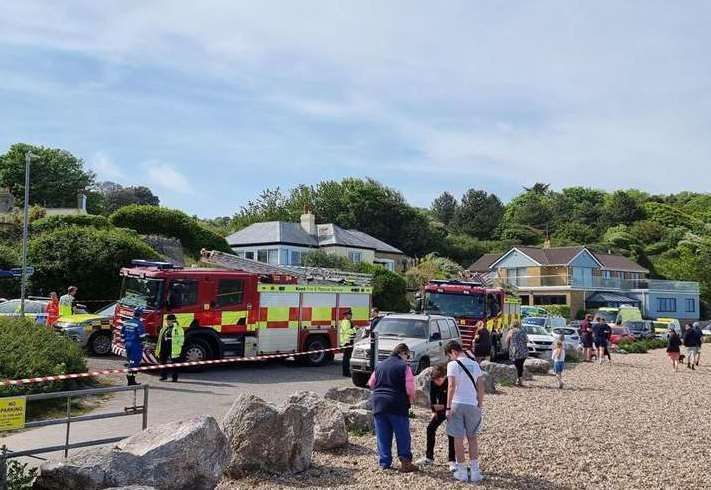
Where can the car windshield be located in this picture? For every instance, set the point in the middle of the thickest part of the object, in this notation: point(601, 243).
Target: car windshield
point(402, 327)
point(636, 326)
point(536, 321)
point(145, 292)
point(107, 311)
point(535, 330)
point(607, 316)
point(564, 331)
point(456, 305)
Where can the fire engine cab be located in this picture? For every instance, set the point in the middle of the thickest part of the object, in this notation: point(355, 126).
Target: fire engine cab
point(470, 302)
point(238, 313)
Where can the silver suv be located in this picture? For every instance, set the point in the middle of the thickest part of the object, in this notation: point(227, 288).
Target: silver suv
point(425, 335)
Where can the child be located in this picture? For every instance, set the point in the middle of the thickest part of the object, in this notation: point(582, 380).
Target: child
point(438, 399)
point(558, 358)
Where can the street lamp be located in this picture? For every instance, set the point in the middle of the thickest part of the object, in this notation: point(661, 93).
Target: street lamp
point(25, 232)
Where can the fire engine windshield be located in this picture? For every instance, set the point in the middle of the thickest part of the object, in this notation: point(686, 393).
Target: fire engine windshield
point(457, 305)
point(137, 291)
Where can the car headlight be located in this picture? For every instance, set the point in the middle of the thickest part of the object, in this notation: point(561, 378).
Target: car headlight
point(360, 353)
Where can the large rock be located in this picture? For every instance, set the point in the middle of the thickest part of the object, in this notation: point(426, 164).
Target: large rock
point(537, 366)
point(186, 455)
point(489, 384)
point(264, 437)
point(422, 388)
point(501, 373)
point(329, 422)
point(349, 396)
point(359, 421)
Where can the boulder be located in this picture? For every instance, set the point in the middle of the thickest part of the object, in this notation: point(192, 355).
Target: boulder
point(422, 388)
point(501, 373)
point(329, 422)
point(489, 385)
point(537, 366)
point(186, 455)
point(359, 421)
point(263, 437)
point(349, 396)
point(364, 405)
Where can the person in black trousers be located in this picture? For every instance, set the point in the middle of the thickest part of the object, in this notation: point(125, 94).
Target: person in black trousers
point(438, 400)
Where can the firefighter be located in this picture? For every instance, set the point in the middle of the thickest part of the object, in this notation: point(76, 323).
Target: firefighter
point(66, 302)
point(170, 346)
point(346, 336)
point(133, 333)
point(52, 308)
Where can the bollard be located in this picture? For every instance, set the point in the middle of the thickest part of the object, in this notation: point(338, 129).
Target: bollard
point(373, 350)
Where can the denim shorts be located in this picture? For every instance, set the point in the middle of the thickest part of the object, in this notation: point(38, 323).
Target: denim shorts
point(558, 367)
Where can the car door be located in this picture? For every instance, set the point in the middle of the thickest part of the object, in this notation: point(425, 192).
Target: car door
point(434, 345)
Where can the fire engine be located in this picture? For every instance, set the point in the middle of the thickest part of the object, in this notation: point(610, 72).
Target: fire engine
point(470, 302)
point(242, 309)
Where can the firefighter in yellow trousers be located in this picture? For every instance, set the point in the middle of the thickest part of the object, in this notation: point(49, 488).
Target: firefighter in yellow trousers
point(346, 336)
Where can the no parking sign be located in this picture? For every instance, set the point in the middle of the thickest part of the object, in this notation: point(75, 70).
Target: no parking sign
point(12, 413)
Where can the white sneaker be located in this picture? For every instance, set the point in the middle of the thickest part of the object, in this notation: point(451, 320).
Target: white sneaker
point(424, 462)
point(461, 474)
point(476, 475)
point(452, 466)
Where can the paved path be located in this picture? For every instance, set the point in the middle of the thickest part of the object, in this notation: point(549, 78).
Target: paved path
point(209, 392)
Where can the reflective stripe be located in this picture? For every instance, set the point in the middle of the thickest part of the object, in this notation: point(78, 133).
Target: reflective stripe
point(295, 288)
point(278, 314)
point(321, 313)
point(360, 312)
point(232, 317)
point(216, 328)
point(184, 319)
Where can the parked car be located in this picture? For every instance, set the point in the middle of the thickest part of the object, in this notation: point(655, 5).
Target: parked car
point(527, 311)
point(662, 326)
point(705, 326)
point(540, 341)
point(619, 334)
point(425, 335)
point(640, 329)
point(571, 337)
point(547, 322)
point(34, 308)
point(92, 331)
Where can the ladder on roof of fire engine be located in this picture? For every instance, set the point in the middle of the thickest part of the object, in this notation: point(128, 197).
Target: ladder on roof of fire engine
point(313, 275)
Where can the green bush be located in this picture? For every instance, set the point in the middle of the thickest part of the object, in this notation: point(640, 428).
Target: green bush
point(53, 222)
point(9, 258)
point(87, 258)
point(154, 220)
point(633, 347)
point(389, 291)
point(319, 258)
point(558, 310)
point(28, 350)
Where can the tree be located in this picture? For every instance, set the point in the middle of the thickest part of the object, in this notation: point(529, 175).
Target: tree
point(107, 197)
point(622, 209)
point(530, 213)
point(444, 208)
point(478, 214)
point(57, 175)
point(578, 205)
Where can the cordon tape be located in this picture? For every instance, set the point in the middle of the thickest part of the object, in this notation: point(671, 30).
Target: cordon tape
point(107, 372)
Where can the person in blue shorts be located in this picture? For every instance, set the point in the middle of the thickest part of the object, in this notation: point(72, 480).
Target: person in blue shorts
point(558, 358)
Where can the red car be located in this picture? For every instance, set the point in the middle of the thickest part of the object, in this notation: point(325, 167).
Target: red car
point(621, 333)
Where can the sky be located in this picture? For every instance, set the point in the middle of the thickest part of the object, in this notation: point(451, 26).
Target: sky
point(210, 102)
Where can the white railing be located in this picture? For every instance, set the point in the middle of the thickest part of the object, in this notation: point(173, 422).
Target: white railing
point(597, 282)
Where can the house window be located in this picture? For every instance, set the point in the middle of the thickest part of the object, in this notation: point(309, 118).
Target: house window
point(268, 255)
point(239, 254)
point(666, 305)
point(605, 274)
point(249, 255)
point(295, 257)
point(690, 305)
point(230, 292)
point(355, 257)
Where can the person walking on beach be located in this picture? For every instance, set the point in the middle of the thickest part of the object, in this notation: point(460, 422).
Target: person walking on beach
point(481, 345)
point(691, 342)
point(673, 348)
point(517, 345)
point(558, 358)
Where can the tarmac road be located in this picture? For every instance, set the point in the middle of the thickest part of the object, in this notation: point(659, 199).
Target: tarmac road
point(209, 392)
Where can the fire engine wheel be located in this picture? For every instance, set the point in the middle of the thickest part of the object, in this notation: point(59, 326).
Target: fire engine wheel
point(321, 358)
point(100, 344)
point(196, 350)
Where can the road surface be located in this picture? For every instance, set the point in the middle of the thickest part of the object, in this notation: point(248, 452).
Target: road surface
point(209, 392)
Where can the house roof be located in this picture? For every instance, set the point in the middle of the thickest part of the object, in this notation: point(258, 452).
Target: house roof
point(273, 232)
point(483, 264)
point(619, 263)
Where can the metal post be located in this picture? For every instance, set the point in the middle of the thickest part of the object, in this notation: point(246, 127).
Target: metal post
point(25, 233)
point(3, 468)
point(69, 417)
point(373, 349)
point(145, 406)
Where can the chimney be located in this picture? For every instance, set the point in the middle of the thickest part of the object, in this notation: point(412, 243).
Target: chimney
point(308, 223)
point(547, 243)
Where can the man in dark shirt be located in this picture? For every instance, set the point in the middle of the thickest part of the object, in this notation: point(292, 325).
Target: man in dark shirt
point(691, 341)
point(601, 332)
point(438, 401)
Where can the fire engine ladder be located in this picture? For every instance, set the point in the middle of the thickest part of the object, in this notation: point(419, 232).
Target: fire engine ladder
point(305, 275)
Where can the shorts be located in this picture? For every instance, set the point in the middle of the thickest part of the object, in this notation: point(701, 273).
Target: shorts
point(587, 342)
point(464, 421)
point(558, 367)
point(674, 356)
point(601, 343)
point(691, 351)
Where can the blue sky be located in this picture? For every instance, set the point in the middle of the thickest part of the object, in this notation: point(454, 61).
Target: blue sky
point(210, 102)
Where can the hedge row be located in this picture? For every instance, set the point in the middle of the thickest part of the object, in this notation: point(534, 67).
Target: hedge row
point(641, 346)
point(51, 223)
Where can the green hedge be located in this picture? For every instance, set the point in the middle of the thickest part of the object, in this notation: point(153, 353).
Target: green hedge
point(558, 310)
point(85, 257)
point(53, 222)
point(154, 220)
point(641, 346)
point(28, 350)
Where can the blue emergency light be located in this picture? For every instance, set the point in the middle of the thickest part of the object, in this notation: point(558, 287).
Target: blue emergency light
point(151, 263)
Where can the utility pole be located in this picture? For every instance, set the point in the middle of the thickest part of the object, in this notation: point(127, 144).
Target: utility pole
point(25, 233)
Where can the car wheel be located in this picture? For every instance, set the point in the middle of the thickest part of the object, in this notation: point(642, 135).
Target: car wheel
point(422, 365)
point(100, 343)
point(320, 358)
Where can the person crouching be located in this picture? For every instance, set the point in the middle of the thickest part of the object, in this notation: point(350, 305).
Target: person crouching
point(170, 346)
point(438, 400)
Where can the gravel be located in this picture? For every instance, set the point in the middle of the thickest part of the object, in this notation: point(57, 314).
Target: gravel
point(632, 424)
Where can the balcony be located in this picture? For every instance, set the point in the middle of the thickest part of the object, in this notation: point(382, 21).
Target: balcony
point(597, 282)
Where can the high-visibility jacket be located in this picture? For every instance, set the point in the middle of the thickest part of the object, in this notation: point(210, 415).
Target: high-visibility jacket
point(65, 305)
point(347, 332)
point(177, 337)
point(52, 312)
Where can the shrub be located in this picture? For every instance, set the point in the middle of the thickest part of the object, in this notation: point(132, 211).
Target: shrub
point(633, 347)
point(558, 310)
point(389, 291)
point(85, 257)
point(319, 258)
point(53, 222)
point(9, 258)
point(28, 350)
point(154, 220)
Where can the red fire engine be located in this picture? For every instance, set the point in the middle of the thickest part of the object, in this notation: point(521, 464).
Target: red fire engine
point(470, 302)
point(253, 310)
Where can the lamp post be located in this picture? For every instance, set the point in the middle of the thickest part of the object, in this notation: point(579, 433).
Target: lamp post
point(25, 232)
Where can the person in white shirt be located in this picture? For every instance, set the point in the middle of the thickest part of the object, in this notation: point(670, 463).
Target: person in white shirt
point(465, 401)
point(558, 358)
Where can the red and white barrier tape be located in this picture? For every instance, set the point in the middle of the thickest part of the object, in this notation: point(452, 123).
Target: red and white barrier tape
point(105, 372)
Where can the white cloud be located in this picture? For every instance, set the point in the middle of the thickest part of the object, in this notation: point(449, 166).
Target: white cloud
point(168, 178)
point(105, 168)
